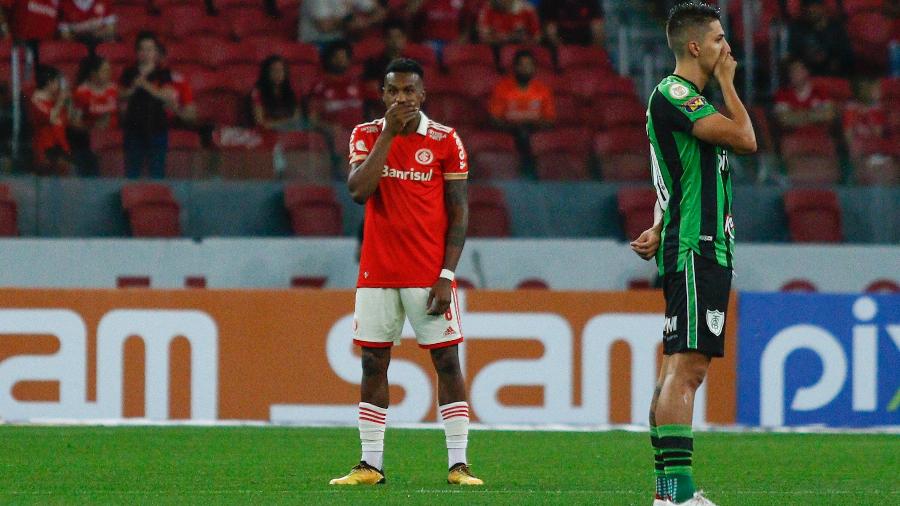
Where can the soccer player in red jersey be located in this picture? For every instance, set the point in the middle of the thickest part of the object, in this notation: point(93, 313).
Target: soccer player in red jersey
point(411, 174)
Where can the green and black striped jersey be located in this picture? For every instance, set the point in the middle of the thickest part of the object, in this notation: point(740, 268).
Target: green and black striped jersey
point(691, 178)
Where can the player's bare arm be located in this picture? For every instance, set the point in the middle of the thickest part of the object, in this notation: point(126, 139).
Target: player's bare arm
point(648, 242)
point(737, 134)
point(457, 202)
point(364, 176)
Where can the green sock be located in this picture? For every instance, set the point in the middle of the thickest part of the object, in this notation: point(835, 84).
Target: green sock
point(677, 444)
point(659, 467)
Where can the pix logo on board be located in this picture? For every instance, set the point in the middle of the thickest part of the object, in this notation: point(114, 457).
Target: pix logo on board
point(819, 359)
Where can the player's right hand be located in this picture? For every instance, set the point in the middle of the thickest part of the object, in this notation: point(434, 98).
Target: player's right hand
point(725, 67)
point(398, 116)
point(646, 245)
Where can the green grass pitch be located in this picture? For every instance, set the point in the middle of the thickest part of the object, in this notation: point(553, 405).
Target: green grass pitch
point(278, 465)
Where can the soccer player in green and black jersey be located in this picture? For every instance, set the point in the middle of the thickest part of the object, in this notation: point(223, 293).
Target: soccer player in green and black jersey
point(693, 234)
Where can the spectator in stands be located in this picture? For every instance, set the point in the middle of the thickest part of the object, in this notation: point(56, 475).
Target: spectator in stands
point(29, 22)
point(395, 41)
point(336, 100)
point(49, 113)
point(87, 21)
point(323, 21)
point(436, 22)
point(820, 41)
point(800, 104)
point(508, 22)
point(865, 122)
point(275, 105)
point(522, 104)
point(96, 102)
point(577, 22)
point(148, 92)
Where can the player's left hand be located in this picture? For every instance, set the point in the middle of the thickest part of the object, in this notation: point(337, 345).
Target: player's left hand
point(646, 245)
point(439, 297)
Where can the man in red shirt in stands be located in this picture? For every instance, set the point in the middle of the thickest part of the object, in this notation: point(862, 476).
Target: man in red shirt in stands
point(411, 174)
point(801, 104)
point(49, 114)
point(336, 100)
point(508, 22)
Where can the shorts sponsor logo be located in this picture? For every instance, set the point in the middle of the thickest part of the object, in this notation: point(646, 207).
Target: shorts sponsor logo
point(424, 156)
point(694, 104)
point(715, 320)
point(449, 332)
point(729, 226)
point(678, 91)
point(670, 329)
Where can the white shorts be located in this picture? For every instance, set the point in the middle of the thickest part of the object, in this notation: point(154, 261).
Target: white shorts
point(380, 312)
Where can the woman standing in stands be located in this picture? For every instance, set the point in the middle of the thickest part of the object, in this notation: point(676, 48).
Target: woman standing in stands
point(49, 113)
point(275, 104)
point(147, 92)
point(96, 103)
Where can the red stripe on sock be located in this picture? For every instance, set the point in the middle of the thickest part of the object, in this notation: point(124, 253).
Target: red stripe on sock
point(454, 414)
point(379, 422)
point(373, 414)
point(464, 405)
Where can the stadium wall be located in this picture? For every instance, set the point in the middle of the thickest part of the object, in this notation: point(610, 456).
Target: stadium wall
point(73, 207)
point(585, 264)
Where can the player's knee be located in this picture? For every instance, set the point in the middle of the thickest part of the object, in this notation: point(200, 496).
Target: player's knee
point(373, 364)
point(446, 363)
point(693, 377)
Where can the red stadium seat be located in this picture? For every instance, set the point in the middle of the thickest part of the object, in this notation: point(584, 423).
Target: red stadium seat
point(615, 86)
point(117, 53)
point(562, 154)
point(883, 286)
point(813, 215)
point(533, 284)
point(492, 155)
point(616, 112)
point(180, 55)
point(799, 285)
point(249, 21)
point(131, 19)
point(221, 107)
point(461, 56)
point(9, 213)
point(314, 210)
point(488, 215)
point(183, 159)
point(811, 157)
point(623, 153)
point(760, 119)
point(306, 157)
point(292, 52)
point(456, 110)
point(463, 83)
point(152, 210)
point(837, 88)
point(569, 110)
point(107, 145)
point(890, 89)
point(580, 57)
point(56, 52)
point(185, 22)
point(584, 82)
point(636, 209)
point(870, 33)
point(852, 7)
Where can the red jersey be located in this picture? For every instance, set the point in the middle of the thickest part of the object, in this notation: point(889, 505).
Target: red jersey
point(32, 19)
point(47, 134)
point(94, 104)
point(789, 99)
point(441, 19)
point(510, 102)
point(864, 121)
point(85, 15)
point(406, 222)
point(522, 19)
point(338, 99)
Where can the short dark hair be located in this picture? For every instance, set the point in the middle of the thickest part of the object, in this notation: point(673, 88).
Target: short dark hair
point(333, 47)
point(148, 35)
point(405, 66)
point(44, 74)
point(522, 53)
point(687, 16)
point(393, 24)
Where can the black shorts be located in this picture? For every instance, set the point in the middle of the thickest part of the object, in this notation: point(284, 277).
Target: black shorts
point(696, 302)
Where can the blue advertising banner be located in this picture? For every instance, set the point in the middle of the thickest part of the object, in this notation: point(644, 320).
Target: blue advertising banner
point(810, 359)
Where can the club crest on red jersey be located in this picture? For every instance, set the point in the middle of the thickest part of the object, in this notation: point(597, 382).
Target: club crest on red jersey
point(424, 156)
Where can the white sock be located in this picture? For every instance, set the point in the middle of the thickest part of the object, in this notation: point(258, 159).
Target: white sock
point(372, 420)
point(456, 428)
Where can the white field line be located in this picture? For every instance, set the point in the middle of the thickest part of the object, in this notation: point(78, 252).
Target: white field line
point(335, 491)
point(740, 429)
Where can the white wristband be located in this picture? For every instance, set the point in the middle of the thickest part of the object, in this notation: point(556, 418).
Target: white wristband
point(447, 274)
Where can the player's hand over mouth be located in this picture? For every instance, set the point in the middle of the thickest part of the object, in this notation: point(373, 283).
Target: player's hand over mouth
point(398, 116)
point(725, 67)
